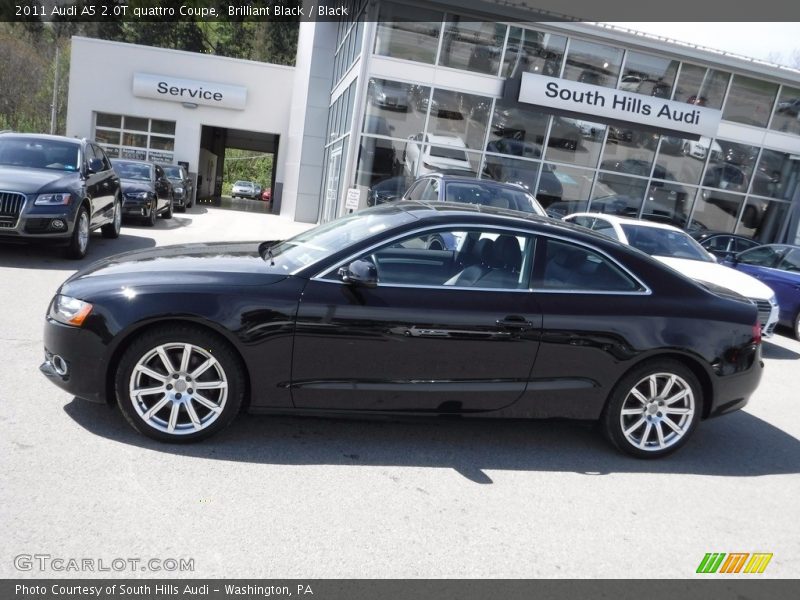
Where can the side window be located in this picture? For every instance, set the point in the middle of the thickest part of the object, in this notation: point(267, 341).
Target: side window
point(88, 154)
point(742, 245)
point(450, 259)
point(98, 152)
point(431, 192)
point(572, 267)
point(582, 221)
point(766, 256)
point(159, 172)
point(604, 227)
point(718, 243)
point(416, 191)
point(791, 262)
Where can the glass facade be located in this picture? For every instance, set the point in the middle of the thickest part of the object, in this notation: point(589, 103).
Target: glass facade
point(416, 126)
point(123, 136)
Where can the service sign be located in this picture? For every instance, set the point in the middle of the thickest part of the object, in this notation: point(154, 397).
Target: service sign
point(163, 87)
point(593, 100)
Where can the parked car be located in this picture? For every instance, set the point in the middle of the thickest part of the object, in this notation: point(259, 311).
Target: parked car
point(677, 249)
point(146, 190)
point(527, 318)
point(57, 190)
point(453, 188)
point(778, 266)
point(246, 189)
point(448, 153)
point(182, 186)
point(700, 148)
point(387, 190)
point(723, 245)
point(389, 94)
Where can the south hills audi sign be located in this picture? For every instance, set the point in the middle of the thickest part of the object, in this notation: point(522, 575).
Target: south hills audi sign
point(617, 105)
point(189, 91)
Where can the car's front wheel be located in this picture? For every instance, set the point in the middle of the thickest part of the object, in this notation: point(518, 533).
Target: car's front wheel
point(111, 230)
point(79, 241)
point(179, 384)
point(150, 221)
point(797, 326)
point(170, 208)
point(654, 409)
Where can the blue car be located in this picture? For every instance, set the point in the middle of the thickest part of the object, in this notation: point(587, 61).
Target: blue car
point(777, 265)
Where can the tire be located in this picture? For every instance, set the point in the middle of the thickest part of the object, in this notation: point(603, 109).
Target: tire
point(648, 430)
point(79, 241)
point(173, 410)
point(111, 230)
point(170, 209)
point(150, 220)
point(797, 327)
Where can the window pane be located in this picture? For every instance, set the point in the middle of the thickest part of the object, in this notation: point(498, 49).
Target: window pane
point(791, 261)
point(682, 160)
point(669, 203)
point(629, 151)
point(410, 40)
point(575, 142)
point(774, 173)
point(787, 112)
point(532, 51)
point(473, 46)
point(570, 267)
point(424, 158)
point(392, 111)
point(134, 139)
point(701, 86)
point(162, 143)
point(575, 187)
point(750, 101)
point(592, 63)
point(762, 219)
point(105, 136)
point(733, 170)
point(717, 210)
point(526, 125)
point(618, 195)
point(378, 159)
point(136, 123)
point(106, 120)
point(766, 256)
point(512, 170)
point(453, 119)
point(167, 127)
point(649, 75)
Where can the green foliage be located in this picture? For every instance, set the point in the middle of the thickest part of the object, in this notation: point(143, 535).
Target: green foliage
point(246, 165)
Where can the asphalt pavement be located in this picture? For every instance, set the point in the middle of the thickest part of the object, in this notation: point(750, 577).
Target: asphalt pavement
point(314, 498)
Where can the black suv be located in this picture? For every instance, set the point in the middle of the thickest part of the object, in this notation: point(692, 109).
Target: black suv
point(182, 186)
point(56, 189)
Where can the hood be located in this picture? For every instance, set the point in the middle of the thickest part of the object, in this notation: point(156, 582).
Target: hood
point(216, 264)
point(716, 274)
point(34, 181)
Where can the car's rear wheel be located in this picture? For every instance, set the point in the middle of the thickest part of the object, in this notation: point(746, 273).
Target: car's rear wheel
point(179, 384)
point(79, 241)
point(654, 409)
point(150, 221)
point(111, 230)
point(170, 209)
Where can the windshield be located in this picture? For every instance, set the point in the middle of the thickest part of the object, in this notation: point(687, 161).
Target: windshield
point(243, 184)
point(491, 195)
point(132, 170)
point(665, 242)
point(329, 238)
point(38, 153)
point(173, 172)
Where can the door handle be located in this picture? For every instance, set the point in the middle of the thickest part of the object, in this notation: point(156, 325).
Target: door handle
point(514, 322)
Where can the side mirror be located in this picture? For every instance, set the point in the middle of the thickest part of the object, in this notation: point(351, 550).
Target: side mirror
point(96, 165)
point(360, 272)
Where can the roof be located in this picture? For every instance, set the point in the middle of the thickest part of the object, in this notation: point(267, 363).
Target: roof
point(626, 221)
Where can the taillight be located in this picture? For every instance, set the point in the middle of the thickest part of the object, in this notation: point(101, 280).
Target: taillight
point(757, 333)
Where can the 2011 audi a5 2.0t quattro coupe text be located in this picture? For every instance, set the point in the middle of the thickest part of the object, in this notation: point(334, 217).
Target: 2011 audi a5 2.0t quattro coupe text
point(523, 318)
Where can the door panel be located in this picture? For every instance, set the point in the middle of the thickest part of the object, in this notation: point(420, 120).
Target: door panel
point(396, 348)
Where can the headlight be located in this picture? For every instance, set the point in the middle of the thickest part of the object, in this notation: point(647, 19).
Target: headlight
point(52, 199)
point(137, 195)
point(69, 311)
point(179, 190)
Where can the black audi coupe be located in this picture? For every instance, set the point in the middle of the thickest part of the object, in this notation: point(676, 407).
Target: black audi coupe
point(524, 317)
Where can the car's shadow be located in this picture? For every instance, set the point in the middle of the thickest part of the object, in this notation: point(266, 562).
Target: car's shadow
point(770, 350)
point(738, 445)
point(39, 256)
point(175, 222)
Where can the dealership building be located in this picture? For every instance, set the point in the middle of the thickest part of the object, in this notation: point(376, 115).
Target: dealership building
point(587, 116)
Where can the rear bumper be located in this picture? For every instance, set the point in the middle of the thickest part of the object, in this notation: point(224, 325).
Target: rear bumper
point(732, 392)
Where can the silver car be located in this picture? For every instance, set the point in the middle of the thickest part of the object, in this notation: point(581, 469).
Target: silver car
point(245, 189)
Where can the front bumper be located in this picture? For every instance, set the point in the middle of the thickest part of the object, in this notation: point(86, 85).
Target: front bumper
point(132, 207)
point(38, 223)
point(74, 360)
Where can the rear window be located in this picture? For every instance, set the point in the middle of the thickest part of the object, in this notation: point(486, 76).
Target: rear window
point(491, 195)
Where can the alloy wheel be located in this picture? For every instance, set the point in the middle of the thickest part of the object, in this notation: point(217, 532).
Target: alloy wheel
point(657, 412)
point(178, 388)
point(83, 232)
